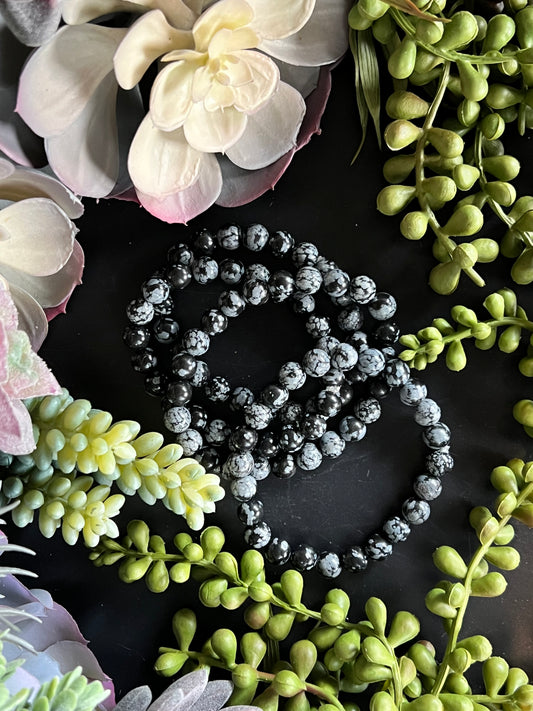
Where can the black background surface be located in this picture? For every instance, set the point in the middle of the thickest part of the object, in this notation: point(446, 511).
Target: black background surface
point(321, 198)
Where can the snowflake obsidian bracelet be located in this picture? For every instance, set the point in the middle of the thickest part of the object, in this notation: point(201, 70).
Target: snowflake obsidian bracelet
point(272, 431)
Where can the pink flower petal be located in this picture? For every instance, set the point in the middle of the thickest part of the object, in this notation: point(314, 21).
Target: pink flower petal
point(184, 205)
point(31, 21)
point(28, 374)
point(31, 317)
point(8, 311)
point(16, 430)
point(24, 183)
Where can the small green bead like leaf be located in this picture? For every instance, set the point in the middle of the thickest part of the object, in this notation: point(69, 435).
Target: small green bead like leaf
point(348, 645)
point(376, 611)
point(404, 627)
point(256, 615)
point(495, 672)
point(331, 614)
point(369, 672)
point(303, 656)
point(287, 684)
point(456, 702)
point(233, 598)
point(157, 579)
point(426, 702)
point(224, 644)
point(524, 513)
point(423, 659)
point(180, 572)
point(437, 602)
point(292, 584)
point(490, 585)
point(382, 701)
point(212, 541)
point(211, 590)
point(449, 561)
point(477, 646)
point(324, 637)
point(133, 569)
point(459, 660)
point(375, 651)
point(456, 356)
point(227, 565)
point(279, 626)
point(252, 565)
point(184, 627)
point(170, 663)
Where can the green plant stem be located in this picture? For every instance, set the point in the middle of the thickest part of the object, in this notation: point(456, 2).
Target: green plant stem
point(457, 623)
point(448, 244)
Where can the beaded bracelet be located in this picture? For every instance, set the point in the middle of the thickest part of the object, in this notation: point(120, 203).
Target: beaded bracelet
point(339, 365)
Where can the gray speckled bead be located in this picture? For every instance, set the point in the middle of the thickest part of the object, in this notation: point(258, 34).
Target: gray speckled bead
point(229, 237)
point(439, 462)
point(261, 467)
point(427, 487)
point(243, 489)
point(191, 441)
point(257, 415)
point(327, 343)
point(205, 269)
point(396, 529)
point(362, 289)
point(217, 389)
point(240, 398)
point(336, 282)
point(303, 303)
point(258, 536)
point(231, 303)
point(332, 444)
point(231, 271)
point(291, 412)
point(255, 237)
point(195, 341)
point(427, 412)
point(344, 357)
point(352, 429)
point(436, 436)
point(415, 511)
point(216, 431)
point(140, 312)
point(177, 419)
point(377, 547)
point(396, 372)
point(200, 375)
point(308, 280)
point(317, 326)
point(359, 340)
point(250, 512)
point(371, 361)
point(382, 307)
point(316, 362)
point(309, 457)
point(257, 271)
point(305, 253)
point(413, 392)
point(238, 465)
point(342, 301)
point(368, 410)
point(292, 376)
point(255, 292)
point(350, 319)
point(325, 265)
point(329, 565)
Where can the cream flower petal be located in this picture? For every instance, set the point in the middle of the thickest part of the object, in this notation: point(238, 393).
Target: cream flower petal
point(170, 98)
point(85, 156)
point(226, 41)
point(253, 95)
point(148, 38)
point(214, 131)
point(53, 290)
point(6, 168)
point(230, 14)
point(184, 205)
point(61, 76)
point(276, 19)
point(270, 132)
point(37, 236)
point(322, 40)
point(162, 162)
point(32, 318)
point(219, 97)
point(76, 12)
point(24, 183)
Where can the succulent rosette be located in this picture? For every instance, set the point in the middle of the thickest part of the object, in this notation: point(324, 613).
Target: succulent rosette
point(226, 109)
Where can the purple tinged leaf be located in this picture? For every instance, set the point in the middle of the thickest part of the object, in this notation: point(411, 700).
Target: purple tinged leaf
point(135, 700)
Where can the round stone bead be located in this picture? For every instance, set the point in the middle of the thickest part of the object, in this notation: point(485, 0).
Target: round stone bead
point(439, 462)
point(344, 357)
point(155, 290)
point(305, 253)
point(436, 436)
point(332, 445)
point(327, 343)
point(255, 292)
point(304, 558)
point(314, 425)
point(317, 326)
point(388, 333)
point(238, 465)
point(217, 389)
point(278, 552)
point(291, 439)
point(258, 536)
point(308, 280)
point(269, 445)
point(309, 457)
point(231, 303)
point(281, 286)
point(324, 265)
point(292, 376)
point(329, 564)
point(140, 312)
point(191, 441)
point(243, 439)
point(143, 361)
point(303, 303)
point(396, 373)
point(355, 377)
point(351, 429)
point(201, 374)
point(371, 362)
point(179, 276)
point(382, 307)
point(217, 431)
point(359, 340)
point(180, 254)
point(413, 392)
point(427, 412)
point(257, 271)
point(231, 271)
point(336, 282)
point(396, 529)
point(284, 467)
point(205, 269)
point(291, 412)
point(350, 319)
point(368, 410)
point(377, 547)
point(257, 415)
point(164, 308)
point(179, 392)
point(195, 341)
point(345, 393)
point(183, 365)
point(204, 241)
point(255, 237)
point(198, 417)
point(328, 404)
point(136, 337)
point(388, 352)
point(214, 322)
point(229, 237)
point(334, 378)
point(209, 459)
point(281, 243)
point(362, 289)
point(379, 388)
point(240, 398)
point(261, 467)
point(165, 330)
point(415, 511)
point(250, 512)
point(274, 396)
point(427, 487)
point(354, 559)
point(316, 362)
point(155, 384)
